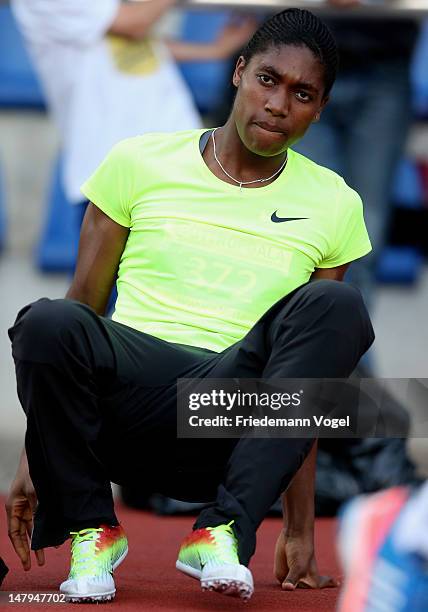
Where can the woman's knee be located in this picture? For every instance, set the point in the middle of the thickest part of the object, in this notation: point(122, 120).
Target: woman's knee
point(339, 294)
point(338, 303)
point(337, 290)
point(39, 328)
point(345, 303)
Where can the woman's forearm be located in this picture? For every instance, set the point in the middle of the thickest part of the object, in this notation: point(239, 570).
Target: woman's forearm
point(298, 500)
point(135, 19)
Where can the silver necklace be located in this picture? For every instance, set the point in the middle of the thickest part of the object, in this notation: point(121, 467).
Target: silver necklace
point(240, 183)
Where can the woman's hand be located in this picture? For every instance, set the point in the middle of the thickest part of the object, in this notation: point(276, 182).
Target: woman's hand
point(21, 505)
point(295, 565)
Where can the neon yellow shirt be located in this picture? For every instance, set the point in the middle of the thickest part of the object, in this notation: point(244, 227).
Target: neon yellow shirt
point(204, 259)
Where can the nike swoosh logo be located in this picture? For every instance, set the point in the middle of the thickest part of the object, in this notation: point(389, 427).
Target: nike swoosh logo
point(276, 219)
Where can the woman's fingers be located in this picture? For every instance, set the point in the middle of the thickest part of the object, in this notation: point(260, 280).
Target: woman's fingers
point(40, 556)
point(19, 544)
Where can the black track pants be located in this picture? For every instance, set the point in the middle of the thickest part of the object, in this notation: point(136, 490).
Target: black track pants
point(100, 400)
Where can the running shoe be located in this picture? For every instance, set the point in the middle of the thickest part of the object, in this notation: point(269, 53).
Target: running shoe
point(378, 576)
point(95, 553)
point(211, 555)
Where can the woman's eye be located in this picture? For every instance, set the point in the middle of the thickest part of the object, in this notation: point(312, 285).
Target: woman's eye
point(265, 79)
point(303, 96)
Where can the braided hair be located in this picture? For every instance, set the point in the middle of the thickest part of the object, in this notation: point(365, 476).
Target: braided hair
point(297, 27)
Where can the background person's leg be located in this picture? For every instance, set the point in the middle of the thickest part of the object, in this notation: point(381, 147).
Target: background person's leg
point(321, 330)
point(377, 102)
point(323, 142)
point(378, 131)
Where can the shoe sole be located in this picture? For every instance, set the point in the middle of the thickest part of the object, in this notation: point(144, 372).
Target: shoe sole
point(232, 580)
point(97, 597)
point(91, 598)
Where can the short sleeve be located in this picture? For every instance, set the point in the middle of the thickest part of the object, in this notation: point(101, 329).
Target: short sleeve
point(111, 186)
point(351, 240)
point(67, 21)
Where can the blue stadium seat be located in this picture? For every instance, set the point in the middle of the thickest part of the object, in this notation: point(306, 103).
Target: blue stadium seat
point(419, 73)
point(19, 86)
point(403, 264)
point(206, 80)
point(2, 217)
point(407, 189)
point(57, 249)
point(399, 265)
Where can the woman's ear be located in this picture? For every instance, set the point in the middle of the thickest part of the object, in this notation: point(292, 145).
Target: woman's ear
point(239, 69)
point(320, 110)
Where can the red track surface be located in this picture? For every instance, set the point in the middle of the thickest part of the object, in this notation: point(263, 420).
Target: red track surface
point(148, 580)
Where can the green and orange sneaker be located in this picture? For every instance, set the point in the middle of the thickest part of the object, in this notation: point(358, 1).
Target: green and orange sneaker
point(95, 553)
point(211, 555)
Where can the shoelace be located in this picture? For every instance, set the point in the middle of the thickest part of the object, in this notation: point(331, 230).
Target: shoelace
point(226, 542)
point(83, 559)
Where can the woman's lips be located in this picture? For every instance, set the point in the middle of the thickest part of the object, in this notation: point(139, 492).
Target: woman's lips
point(268, 127)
